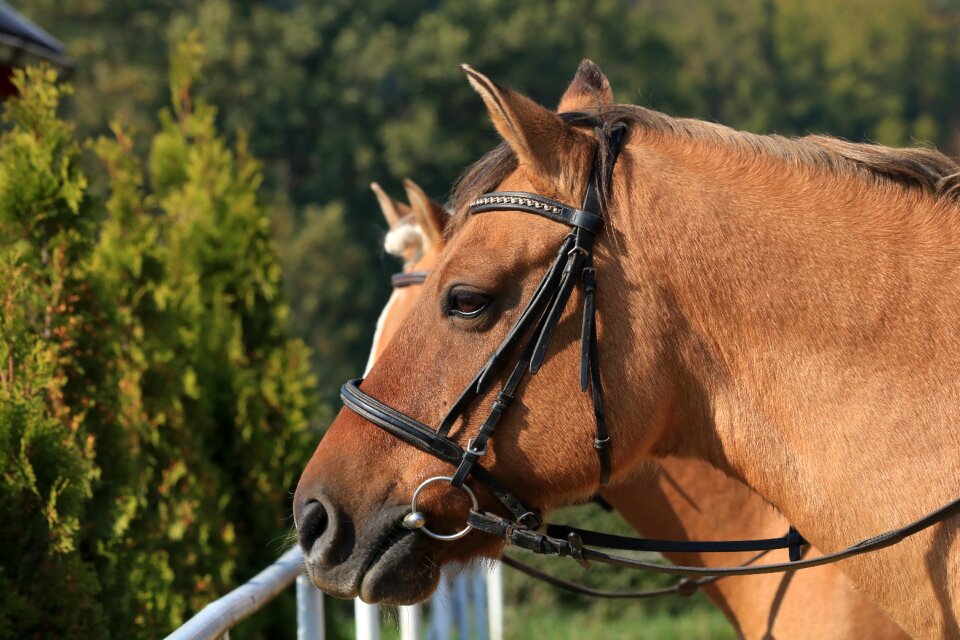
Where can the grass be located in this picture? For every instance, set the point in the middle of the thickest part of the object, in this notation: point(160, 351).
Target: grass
point(526, 623)
point(698, 624)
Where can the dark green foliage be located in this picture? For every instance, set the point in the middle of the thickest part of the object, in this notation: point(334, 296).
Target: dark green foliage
point(51, 400)
point(336, 94)
point(153, 413)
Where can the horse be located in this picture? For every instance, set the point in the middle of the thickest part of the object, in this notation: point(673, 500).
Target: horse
point(415, 235)
point(777, 309)
point(681, 498)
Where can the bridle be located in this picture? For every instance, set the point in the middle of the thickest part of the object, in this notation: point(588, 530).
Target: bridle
point(573, 263)
point(408, 279)
point(684, 588)
point(540, 317)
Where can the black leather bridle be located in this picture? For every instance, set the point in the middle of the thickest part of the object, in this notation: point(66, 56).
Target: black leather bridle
point(408, 278)
point(573, 264)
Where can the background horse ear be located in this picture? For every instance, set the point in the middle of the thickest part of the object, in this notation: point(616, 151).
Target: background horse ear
point(589, 89)
point(429, 214)
point(537, 135)
point(393, 211)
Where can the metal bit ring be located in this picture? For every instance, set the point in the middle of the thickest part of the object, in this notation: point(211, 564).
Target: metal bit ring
point(416, 520)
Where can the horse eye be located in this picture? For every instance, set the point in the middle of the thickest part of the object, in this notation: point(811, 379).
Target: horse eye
point(467, 304)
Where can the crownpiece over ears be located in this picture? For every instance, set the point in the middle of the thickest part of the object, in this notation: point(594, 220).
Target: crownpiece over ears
point(540, 138)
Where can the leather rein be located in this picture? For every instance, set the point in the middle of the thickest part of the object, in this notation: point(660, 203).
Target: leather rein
point(573, 264)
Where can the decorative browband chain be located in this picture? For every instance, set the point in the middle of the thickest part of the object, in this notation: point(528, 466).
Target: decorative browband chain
point(537, 205)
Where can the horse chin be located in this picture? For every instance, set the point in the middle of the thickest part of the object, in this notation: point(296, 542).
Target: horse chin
point(403, 574)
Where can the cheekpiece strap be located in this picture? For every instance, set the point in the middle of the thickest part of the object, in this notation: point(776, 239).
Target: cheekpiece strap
point(537, 205)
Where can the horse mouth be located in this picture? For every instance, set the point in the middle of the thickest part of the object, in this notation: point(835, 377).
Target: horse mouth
point(384, 562)
point(401, 571)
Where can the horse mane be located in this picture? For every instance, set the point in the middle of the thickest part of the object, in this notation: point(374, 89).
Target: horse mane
point(915, 168)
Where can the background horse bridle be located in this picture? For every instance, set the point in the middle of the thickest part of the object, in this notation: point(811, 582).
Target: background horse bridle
point(573, 263)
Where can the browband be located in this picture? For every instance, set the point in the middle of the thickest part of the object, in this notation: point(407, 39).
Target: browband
point(537, 205)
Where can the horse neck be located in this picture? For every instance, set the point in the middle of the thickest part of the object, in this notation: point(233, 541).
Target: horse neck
point(686, 499)
point(809, 318)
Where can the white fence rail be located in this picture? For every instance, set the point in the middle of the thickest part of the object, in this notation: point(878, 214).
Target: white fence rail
point(215, 620)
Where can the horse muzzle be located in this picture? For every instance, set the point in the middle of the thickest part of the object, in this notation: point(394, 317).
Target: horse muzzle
point(380, 561)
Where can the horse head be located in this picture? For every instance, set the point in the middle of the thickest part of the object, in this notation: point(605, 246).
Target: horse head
point(357, 488)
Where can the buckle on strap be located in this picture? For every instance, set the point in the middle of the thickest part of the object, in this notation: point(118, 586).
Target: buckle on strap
point(516, 533)
point(576, 549)
point(795, 543)
point(477, 452)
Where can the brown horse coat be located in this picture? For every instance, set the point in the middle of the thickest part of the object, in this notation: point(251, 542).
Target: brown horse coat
point(781, 310)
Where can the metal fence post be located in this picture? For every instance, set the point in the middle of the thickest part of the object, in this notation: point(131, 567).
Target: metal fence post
point(441, 613)
point(411, 621)
point(478, 597)
point(495, 600)
point(310, 622)
point(367, 617)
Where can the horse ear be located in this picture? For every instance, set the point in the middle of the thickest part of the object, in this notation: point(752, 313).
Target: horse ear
point(393, 211)
point(428, 213)
point(589, 89)
point(537, 135)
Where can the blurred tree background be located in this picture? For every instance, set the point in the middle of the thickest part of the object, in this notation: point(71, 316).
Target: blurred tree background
point(185, 404)
point(339, 93)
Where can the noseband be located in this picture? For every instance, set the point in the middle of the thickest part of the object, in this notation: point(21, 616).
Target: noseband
point(573, 263)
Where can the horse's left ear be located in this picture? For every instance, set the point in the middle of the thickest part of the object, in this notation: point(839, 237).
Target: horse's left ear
point(429, 214)
point(393, 211)
point(538, 136)
point(588, 89)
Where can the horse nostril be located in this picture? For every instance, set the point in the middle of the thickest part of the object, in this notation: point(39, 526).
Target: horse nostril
point(313, 522)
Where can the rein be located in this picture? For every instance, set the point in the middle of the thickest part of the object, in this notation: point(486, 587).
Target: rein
point(539, 319)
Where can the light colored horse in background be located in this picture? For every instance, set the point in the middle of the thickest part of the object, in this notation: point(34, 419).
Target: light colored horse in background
point(675, 499)
point(415, 234)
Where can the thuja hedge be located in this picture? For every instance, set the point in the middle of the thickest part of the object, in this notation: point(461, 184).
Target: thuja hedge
point(153, 412)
